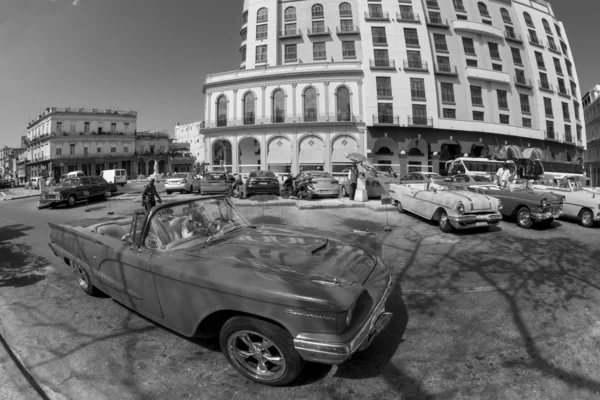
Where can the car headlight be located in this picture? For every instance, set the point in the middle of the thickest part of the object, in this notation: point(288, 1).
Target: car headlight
point(460, 208)
point(563, 200)
point(543, 203)
point(500, 206)
point(350, 314)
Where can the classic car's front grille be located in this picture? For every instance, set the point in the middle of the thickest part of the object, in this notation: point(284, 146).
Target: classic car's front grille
point(50, 197)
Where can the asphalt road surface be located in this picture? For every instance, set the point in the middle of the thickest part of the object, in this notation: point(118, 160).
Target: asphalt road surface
point(506, 313)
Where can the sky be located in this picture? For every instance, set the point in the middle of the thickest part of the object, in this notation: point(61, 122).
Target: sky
point(152, 56)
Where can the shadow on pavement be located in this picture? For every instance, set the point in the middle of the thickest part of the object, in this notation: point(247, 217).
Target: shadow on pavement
point(18, 265)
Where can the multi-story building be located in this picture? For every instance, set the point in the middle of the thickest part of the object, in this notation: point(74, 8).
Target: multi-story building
point(9, 162)
point(407, 83)
point(591, 111)
point(156, 152)
point(190, 133)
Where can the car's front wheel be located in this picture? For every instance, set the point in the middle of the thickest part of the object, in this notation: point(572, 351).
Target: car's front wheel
point(444, 222)
point(524, 218)
point(399, 207)
point(586, 217)
point(261, 351)
point(72, 200)
point(83, 279)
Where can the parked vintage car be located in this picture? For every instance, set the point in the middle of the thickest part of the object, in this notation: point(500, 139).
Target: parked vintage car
point(74, 190)
point(453, 206)
point(324, 183)
point(419, 177)
point(214, 183)
point(182, 182)
point(524, 203)
point(277, 296)
point(579, 203)
point(261, 182)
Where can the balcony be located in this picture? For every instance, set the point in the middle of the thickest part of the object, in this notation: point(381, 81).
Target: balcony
point(446, 69)
point(546, 86)
point(536, 42)
point(487, 75)
point(377, 16)
point(348, 30)
point(282, 119)
point(321, 31)
point(382, 64)
point(562, 91)
point(513, 37)
point(386, 119)
point(477, 28)
point(523, 82)
point(408, 17)
point(552, 47)
point(290, 34)
point(420, 121)
point(415, 65)
point(438, 22)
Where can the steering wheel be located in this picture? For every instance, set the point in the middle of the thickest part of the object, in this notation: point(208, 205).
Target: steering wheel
point(217, 226)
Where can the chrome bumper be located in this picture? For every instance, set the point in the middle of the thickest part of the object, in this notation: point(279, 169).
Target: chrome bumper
point(332, 352)
point(545, 216)
point(466, 221)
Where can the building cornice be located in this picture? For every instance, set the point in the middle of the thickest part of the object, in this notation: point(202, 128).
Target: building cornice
point(300, 127)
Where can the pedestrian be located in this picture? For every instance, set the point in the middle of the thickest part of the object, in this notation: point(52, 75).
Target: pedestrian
point(353, 177)
point(503, 174)
point(149, 196)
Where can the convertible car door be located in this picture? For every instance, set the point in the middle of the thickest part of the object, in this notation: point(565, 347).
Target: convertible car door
point(427, 202)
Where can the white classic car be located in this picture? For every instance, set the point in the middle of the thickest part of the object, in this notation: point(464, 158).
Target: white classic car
point(453, 206)
point(579, 203)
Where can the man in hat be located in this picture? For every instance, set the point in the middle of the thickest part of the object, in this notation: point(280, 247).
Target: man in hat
point(503, 175)
point(149, 196)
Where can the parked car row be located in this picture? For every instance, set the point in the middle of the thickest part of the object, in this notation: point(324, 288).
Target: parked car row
point(73, 190)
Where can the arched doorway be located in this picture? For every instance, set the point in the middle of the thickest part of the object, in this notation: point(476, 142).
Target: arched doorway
point(417, 155)
point(311, 154)
point(449, 150)
point(248, 154)
point(385, 154)
point(161, 167)
point(480, 150)
point(222, 154)
point(279, 155)
point(151, 168)
point(341, 145)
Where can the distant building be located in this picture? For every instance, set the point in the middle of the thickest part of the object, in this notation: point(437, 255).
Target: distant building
point(591, 111)
point(190, 133)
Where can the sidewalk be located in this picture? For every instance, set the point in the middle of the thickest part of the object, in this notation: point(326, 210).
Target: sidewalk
point(18, 193)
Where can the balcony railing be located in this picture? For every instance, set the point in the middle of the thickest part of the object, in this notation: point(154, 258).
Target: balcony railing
point(550, 134)
point(382, 63)
point(446, 69)
point(414, 65)
point(513, 37)
point(386, 119)
point(408, 17)
point(290, 33)
point(564, 92)
point(348, 30)
point(377, 16)
point(283, 119)
point(523, 82)
point(552, 47)
point(546, 86)
point(536, 42)
point(437, 22)
point(418, 120)
point(324, 30)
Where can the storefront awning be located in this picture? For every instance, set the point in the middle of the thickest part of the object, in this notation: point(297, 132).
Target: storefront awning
point(509, 152)
point(534, 153)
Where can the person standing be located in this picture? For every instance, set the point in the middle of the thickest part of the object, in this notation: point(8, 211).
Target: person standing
point(503, 175)
point(353, 178)
point(149, 196)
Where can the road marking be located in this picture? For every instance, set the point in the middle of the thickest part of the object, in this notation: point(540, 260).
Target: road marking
point(8, 220)
point(458, 290)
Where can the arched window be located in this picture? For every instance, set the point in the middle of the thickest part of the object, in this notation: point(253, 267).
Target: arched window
point(343, 104)
point(345, 10)
point(547, 27)
point(505, 16)
point(290, 14)
point(262, 15)
point(483, 9)
point(278, 106)
point(317, 11)
point(528, 20)
point(222, 111)
point(310, 105)
point(248, 107)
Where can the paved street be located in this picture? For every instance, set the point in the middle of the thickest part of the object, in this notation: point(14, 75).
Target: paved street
point(506, 313)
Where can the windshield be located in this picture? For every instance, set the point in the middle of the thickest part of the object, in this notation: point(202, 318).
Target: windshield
point(449, 184)
point(434, 176)
point(215, 177)
point(484, 166)
point(180, 176)
point(192, 223)
point(70, 182)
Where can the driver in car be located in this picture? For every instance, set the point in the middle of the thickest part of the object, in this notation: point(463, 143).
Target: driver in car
point(194, 224)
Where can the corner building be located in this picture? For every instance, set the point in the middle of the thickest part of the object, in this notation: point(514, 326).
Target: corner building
point(407, 83)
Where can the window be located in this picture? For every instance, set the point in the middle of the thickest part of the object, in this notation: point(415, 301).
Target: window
point(317, 11)
point(449, 113)
point(546, 27)
point(557, 28)
point(505, 16)
point(525, 109)
point(579, 133)
point(528, 20)
point(533, 37)
point(310, 104)
point(526, 122)
point(85, 150)
point(406, 12)
point(458, 5)
point(411, 38)
point(477, 115)
point(290, 53)
point(278, 106)
point(550, 129)
point(471, 63)
point(382, 58)
point(548, 107)
point(318, 26)
point(343, 104)
point(59, 127)
point(436, 18)
point(486, 21)
point(86, 127)
point(440, 42)
point(483, 11)
point(520, 75)
point(561, 86)
point(71, 149)
point(125, 149)
point(516, 55)
point(510, 32)
point(576, 107)
point(261, 32)
point(476, 98)
point(551, 43)
point(564, 48)
point(72, 127)
point(494, 53)
point(113, 128)
point(385, 113)
point(460, 16)
point(568, 135)
point(443, 64)
point(504, 119)
point(375, 11)
point(113, 149)
point(345, 10)
point(290, 14)
point(447, 90)
point(557, 67)
point(248, 108)
point(432, 4)
point(261, 53)
point(573, 88)
point(539, 58)
point(222, 111)
point(417, 88)
point(544, 81)
point(262, 15)
point(419, 114)
point(59, 151)
point(319, 51)
point(502, 99)
point(384, 86)
point(414, 59)
point(569, 68)
point(468, 46)
point(565, 109)
point(497, 67)
point(348, 49)
point(290, 29)
point(379, 37)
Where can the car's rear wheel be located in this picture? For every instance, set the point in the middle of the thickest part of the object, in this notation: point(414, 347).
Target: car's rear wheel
point(261, 351)
point(399, 207)
point(83, 279)
point(444, 222)
point(72, 200)
point(285, 193)
point(524, 218)
point(344, 192)
point(586, 218)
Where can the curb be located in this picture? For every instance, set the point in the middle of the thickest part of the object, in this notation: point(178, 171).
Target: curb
point(20, 197)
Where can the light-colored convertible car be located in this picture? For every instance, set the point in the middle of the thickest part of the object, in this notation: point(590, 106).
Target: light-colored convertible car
point(450, 204)
point(579, 203)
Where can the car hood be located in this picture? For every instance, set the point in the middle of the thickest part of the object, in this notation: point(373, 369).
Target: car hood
point(526, 194)
point(57, 189)
point(474, 202)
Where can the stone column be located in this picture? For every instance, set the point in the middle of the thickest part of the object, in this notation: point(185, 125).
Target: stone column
point(327, 100)
point(263, 102)
point(234, 116)
point(360, 100)
point(294, 86)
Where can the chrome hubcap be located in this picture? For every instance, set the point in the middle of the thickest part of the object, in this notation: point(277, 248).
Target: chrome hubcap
point(586, 217)
point(82, 278)
point(444, 220)
point(524, 217)
point(257, 355)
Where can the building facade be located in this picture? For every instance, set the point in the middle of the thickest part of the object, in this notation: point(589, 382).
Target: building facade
point(591, 110)
point(410, 84)
point(190, 134)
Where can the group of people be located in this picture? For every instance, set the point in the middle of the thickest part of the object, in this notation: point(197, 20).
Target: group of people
point(504, 175)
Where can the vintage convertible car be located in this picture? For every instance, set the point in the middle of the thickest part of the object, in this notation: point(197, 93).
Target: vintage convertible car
point(451, 205)
point(579, 203)
point(74, 190)
point(527, 205)
point(276, 296)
